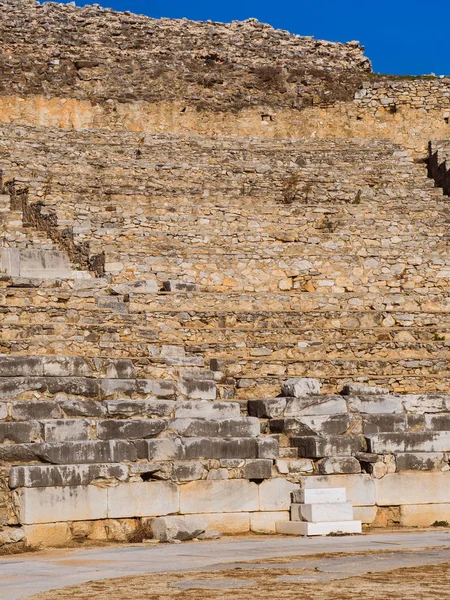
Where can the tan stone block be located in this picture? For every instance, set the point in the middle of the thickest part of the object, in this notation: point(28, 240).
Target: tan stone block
point(119, 530)
point(424, 515)
point(275, 494)
point(397, 489)
point(365, 514)
point(47, 535)
point(227, 523)
point(233, 495)
point(264, 522)
point(147, 499)
point(98, 531)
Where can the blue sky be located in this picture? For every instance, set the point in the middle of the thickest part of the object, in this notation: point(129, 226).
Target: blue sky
point(400, 36)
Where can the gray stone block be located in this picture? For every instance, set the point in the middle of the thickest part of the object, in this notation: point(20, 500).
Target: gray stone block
point(67, 453)
point(420, 461)
point(291, 426)
point(3, 410)
point(437, 422)
point(44, 264)
point(195, 448)
point(228, 428)
point(198, 389)
point(180, 286)
point(267, 447)
point(120, 368)
point(332, 445)
point(76, 386)
point(21, 366)
point(160, 449)
point(383, 423)
point(385, 443)
point(338, 424)
point(207, 410)
point(362, 389)
point(62, 475)
point(258, 469)
point(131, 429)
point(74, 407)
point(143, 408)
point(375, 404)
point(19, 433)
point(300, 386)
point(338, 465)
point(10, 261)
point(66, 366)
point(117, 387)
point(28, 410)
point(65, 430)
point(187, 471)
point(13, 387)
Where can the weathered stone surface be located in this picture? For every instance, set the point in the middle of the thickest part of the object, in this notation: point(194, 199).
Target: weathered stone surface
point(64, 453)
point(375, 404)
point(3, 410)
point(360, 489)
point(19, 433)
point(207, 410)
point(198, 389)
point(299, 387)
point(412, 488)
point(153, 498)
point(227, 428)
point(315, 405)
point(319, 495)
point(424, 515)
point(34, 410)
point(141, 408)
point(48, 535)
point(59, 504)
point(361, 389)
point(234, 495)
point(275, 494)
point(64, 475)
point(161, 449)
point(265, 522)
point(320, 447)
point(438, 441)
point(420, 461)
point(11, 535)
point(21, 366)
point(187, 471)
point(66, 366)
point(166, 529)
point(65, 430)
point(267, 407)
point(258, 469)
point(337, 465)
point(131, 429)
point(75, 407)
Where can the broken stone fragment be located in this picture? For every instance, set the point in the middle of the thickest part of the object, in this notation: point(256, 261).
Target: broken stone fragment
point(167, 529)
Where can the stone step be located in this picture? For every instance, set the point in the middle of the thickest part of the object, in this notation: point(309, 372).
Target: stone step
point(424, 441)
point(331, 445)
point(322, 512)
point(312, 529)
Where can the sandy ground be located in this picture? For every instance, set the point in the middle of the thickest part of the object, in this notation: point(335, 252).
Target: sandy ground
point(422, 583)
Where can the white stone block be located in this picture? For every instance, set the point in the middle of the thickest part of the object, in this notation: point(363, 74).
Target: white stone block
point(339, 511)
point(233, 495)
point(275, 494)
point(57, 504)
point(265, 522)
point(413, 488)
point(228, 523)
point(147, 499)
point(320, 495)
point(360, 488)
point(304, 528)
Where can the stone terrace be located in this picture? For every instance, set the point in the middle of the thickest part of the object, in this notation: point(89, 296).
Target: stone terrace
point(260, 259)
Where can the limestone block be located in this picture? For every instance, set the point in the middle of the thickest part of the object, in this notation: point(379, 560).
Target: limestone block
point(52, 505)
point(365, 514)
point(375, 404)
point(47, 535)
point(118, 530)
point(12, 387)
point(23, 410)
point(44, 264)
point(3, 410)
point(423, 515)
point(70, 453)
point(221, 448)
point(187, 471)
point(267, 408)
point(322, 512)
point(180, 286)
point(21, 366)
point(319, 495)
point(10, 261)
point(331, 445)
point(74, 407)
point(387, 423)
point(315, 405)
point(146, 499)
point(412, 488)
point(275, 494)
point(233, 495)
point(384, 443)
point(112, 429)
point(141, 408)
point(267, 447)
point(362, 389)
point(426, 403)
point(338, 464)
point(337, 424)
point(63, 475)
point(258, 469)
point(11, 535)
point(120, 368)
point(198, 389)
point(360, 489)
point(217, 428)
point(166, 529)
point(161, 449)
point(420, 461)
point(309, 529)
point(207, 410)
point(265, 522)
point(302, 386)
point(66, 366)
point(147, 286)
point(19, 432)
point(437, 422)
point(228, 523)
point(65, 430)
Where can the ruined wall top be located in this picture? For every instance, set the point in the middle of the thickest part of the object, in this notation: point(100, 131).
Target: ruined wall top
point(94, 53)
